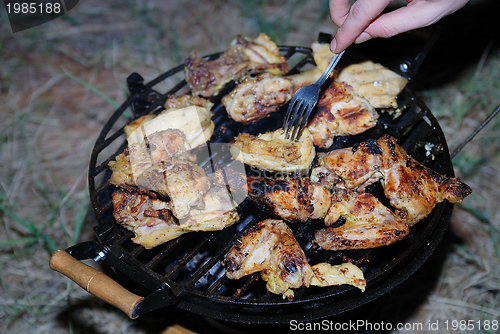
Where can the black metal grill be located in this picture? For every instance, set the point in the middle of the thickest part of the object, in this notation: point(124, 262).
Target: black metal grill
point(187, 271)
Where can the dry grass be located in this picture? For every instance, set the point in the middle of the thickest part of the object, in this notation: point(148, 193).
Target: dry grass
point(49, 122)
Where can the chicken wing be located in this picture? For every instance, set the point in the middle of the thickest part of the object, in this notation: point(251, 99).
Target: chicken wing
point(340, 112)
point(270, 247)
point(368, 223)
point(291, 198)
point(376, 83)
point(353, 168)
point(412, 188)
point(273, 152)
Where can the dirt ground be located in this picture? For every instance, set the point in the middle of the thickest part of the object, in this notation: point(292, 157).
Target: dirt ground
point(59, 83)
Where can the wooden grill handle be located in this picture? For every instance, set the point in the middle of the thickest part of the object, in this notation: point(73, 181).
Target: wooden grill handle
point(95, 282)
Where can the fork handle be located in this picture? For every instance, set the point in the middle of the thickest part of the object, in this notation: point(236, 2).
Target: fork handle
point(329, 69)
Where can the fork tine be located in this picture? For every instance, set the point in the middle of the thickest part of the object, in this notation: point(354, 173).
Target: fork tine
point(297, 119)
point(288, 115)
point(305, 117)
point(291, 121)
point(290, 112)
point(301, 120)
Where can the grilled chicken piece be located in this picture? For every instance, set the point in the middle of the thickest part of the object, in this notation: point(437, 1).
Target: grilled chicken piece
point(162, 164)
point(207, 77)
point(352, 168)
point(153, 224)
point(187, 100)
point(190, 114)
point(326, 274)
point(141, 156)
point(144, 215)
point(291, 198)
point(340, 112)
point(412, 188)
point(273, 152)
point(379, 85)
point(262, 53)
point(270, 247)
point(185, 184)
point(218, 213)
point(256, 97)
point(368, 223)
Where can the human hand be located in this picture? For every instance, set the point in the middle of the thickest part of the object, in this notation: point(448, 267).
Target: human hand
point(362, 21)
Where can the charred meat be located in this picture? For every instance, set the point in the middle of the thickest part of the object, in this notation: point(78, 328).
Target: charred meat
point(412, 188)
point(292, 198)
point(256, 97)
point(207, 77)
point(367, 223)
point(269, 247)
point(340, 112)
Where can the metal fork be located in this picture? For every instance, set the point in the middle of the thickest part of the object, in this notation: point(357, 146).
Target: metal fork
point(303, 102)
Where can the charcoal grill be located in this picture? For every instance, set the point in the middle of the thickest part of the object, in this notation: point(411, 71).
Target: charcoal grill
point(187, 272)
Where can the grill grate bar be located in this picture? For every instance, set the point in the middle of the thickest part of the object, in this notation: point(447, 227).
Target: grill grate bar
point(208, 265)
point(188, 257)
point(248, 283)
point(217, 284)
point(104, 164)
point(106, 142)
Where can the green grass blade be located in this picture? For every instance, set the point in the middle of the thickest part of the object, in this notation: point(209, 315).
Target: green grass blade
point(92, 88)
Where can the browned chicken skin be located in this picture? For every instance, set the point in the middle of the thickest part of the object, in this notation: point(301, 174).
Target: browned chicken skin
point(340, 112)
point(256, 97)
point(271, 151)
point(152, 222)
point(207, 77)
point(379, 85)
point(368, 223)
point(292, 198)
point(269, 247)
point(412, 188)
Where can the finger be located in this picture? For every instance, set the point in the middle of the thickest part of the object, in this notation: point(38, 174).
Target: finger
point(416, 14)
point(339, 9)
point(360, 15)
